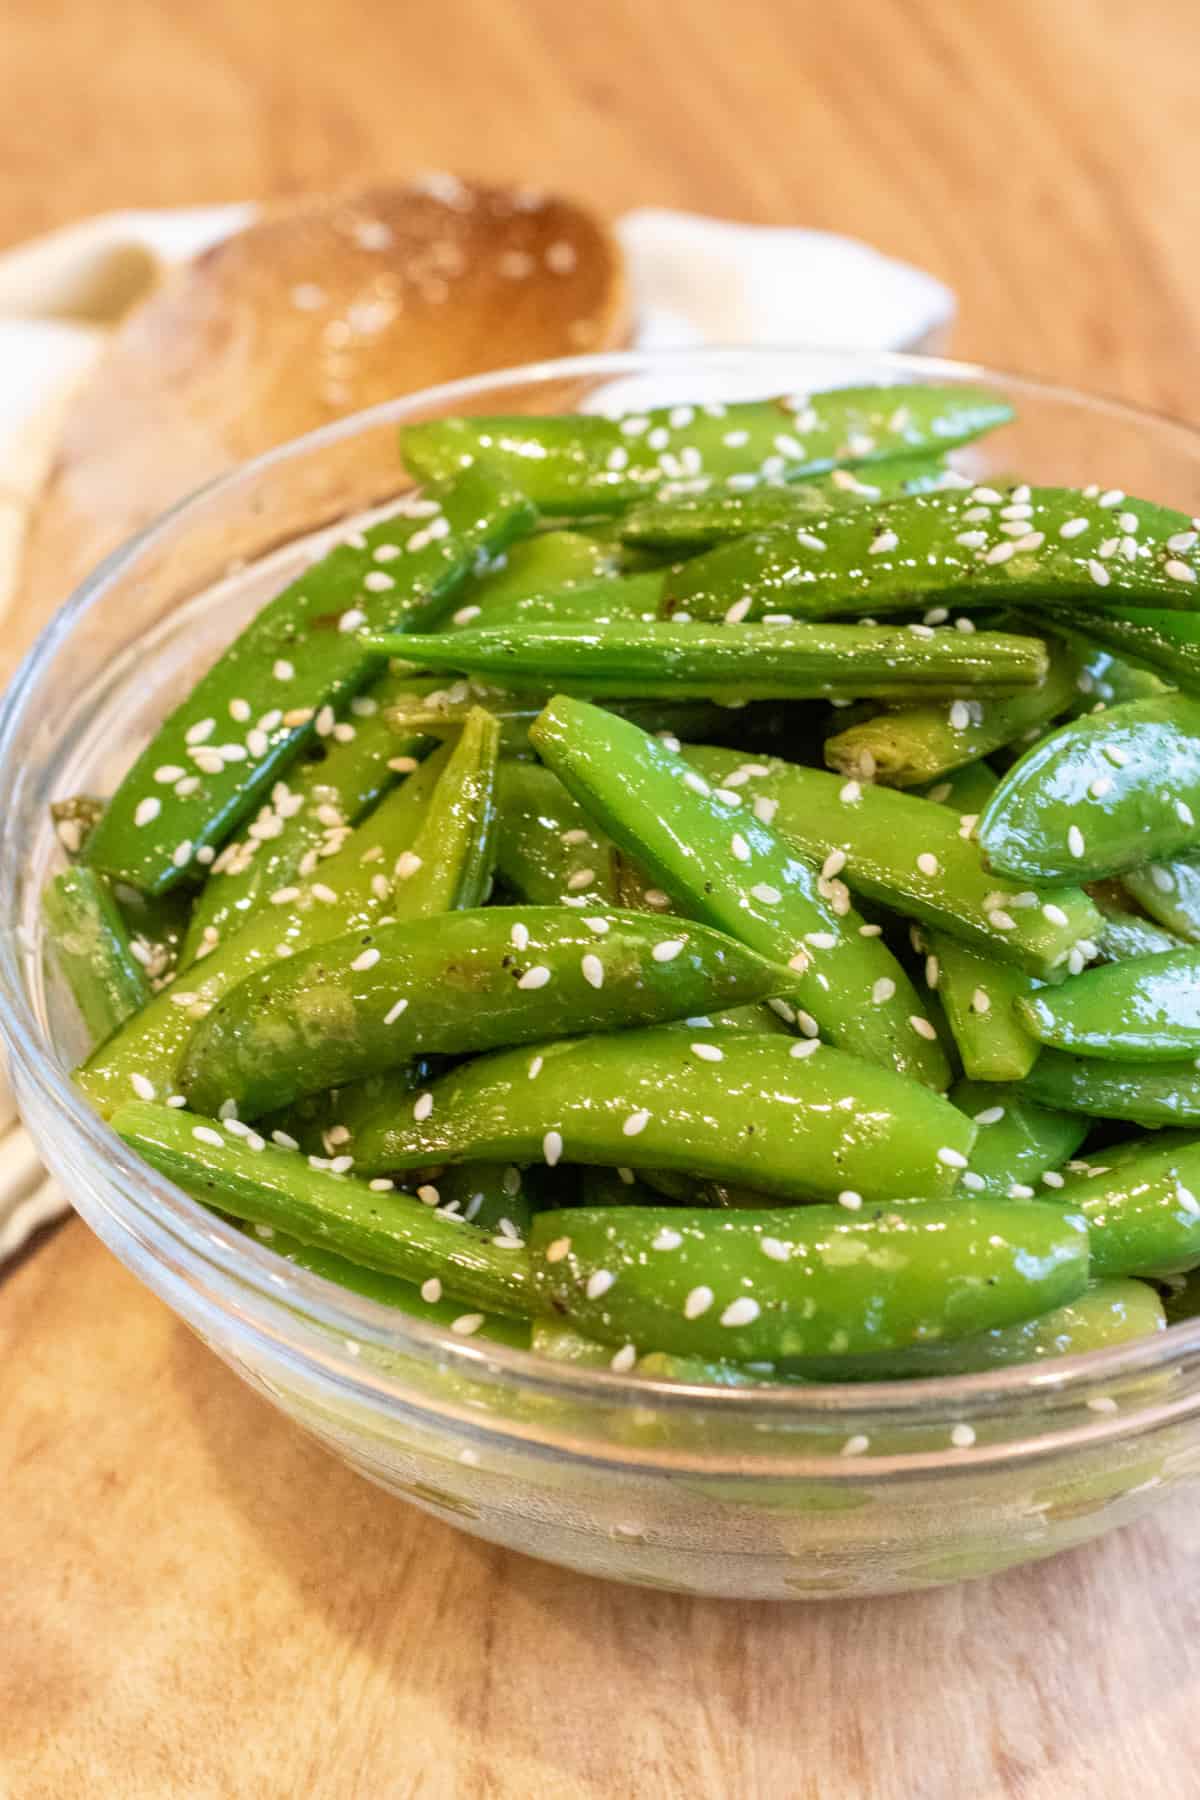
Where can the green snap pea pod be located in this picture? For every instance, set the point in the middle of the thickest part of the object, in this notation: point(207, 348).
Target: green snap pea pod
point(632, 660)
point(491, 1196)
point(1018, 1141)
point(90, 943)
point(588, 464)
point(563, 1344)
point(624, 597)
point(1106, 1314)
point(550, 851)
point(1170, 893)
point(356, 886)
point(911, 745)
point(157, 925)
point(1146, 1093)
point(819, 1122)
point(380, 1229)
point(911, 855)
point(548, 561)
point(1145, 1011)
point(1127, 935)
point(980, 998)
point(274, 690)
point(451, 985)
point(451, 859)
point(1164, 642)
point(815, 1281)
point(326, 1124)
point(1142, 1210)
point(306, 818)
point(1105, 679)
point(962, 548)
point(1100, 795)
point(689, 522)
point(722, 863)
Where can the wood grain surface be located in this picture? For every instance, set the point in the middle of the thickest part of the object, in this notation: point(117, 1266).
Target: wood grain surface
point(195, 1601)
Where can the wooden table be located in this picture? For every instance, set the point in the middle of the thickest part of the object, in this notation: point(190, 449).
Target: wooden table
point(192, 1599)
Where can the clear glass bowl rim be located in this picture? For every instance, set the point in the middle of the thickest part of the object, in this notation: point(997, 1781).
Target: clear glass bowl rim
point(203, 1242)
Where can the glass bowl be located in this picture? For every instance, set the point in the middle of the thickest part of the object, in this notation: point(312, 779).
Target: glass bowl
point(758, 1493)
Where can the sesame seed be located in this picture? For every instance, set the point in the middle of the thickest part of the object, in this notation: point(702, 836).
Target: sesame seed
point(850, 1200)
point(856, 1445)
point(851, 793)
point(923, 1027)
point(971, 540)
point(1001, 920)
point(1098, 572)
point(364, 961)
point(143, 1088)
point(176, 1100)
point(962, 1437)
point(697, 783)
point(283, 670)
point(1019, 1191)
point(599, 1283)
point(1075, 841)
point(1180, 571)
point(883, 991)
point(147, 810)
point(581, 879)
point(323, 893)
point(727, 797)
point(666, 1239)
point(537, 977)
point(764, 892)
point(558, 1249)
point(960, 716)
point(737, 612)
point(951, 1159)
point(422, 1107)
point(804, 1020)
point(821, 940)
point(467, 1324)
point(1000, 553)
point(656, 899)
point(599, 926)
point(1112, 497)
point(697, 1302)
point(740, 847)
point(636, 1123)
point(204, 1134)
point(668, 950)
point(552, 1148)
point(742, 1311)
point(981, 1001)
point(624, 1359)
point(928, 863)
point(593, 971)
point(707, 1052)
point(431, 1290)
point(407, 864)
point(200, 732)
point(182, 853)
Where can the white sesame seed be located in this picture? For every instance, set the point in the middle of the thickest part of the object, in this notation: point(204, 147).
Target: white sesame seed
point(407, 864)
point(850, 1200)
point(962, 1437)
point(697, 783)
point(1019, 1191)
point(204, 1134)
point(143, 1088)
point(740, 847)
point(1180, 571)
point(200, 732)
point(1075, 841)
point(764, 892)
point(668, 950)
point(882, 543)
point(850, 793)
point(697, 1302)
point(431, 1290)
point(182, 853)
point(593, 971)
point(1000, 553)
point(928, 863)
point(558, 1249)
point(365, 960)
point(598, 926)
point(971, 540)
point(1098, 572)
point(147, 810)
point(599, 1283)
point(923, 1027)
point(666, 1239)
point(856, 1445)
point(552, 1147)
point(635, 1123)
point(808, 1025)
point(727, 797)
point(981, 1001)
point(1000, 920)
point(322, 892)
point(624, 1359)
point(737, 612)
point(422, 1107)
point(579, 880)
point(467, 1324)
point(656, 899)
point(951, 1159)
point(742, 1311)
point(1073, 528)
point(1112, 497)
point(537, 977)
point(883, 991)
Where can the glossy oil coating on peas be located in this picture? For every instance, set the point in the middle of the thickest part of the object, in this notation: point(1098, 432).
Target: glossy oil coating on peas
point(914, 855)
point(1143, 1208)
point(1103, 794)
point(631, 659)
point(980, 998)
point(275, 688)
point(1146, 1093)
point(465, 982)
point(722, 862)
point(1170, 893)
point(93, 949)
point(789, 1118)
point(1018, 1142)
point(813, 1281)
point(1041, 546)
point(1143, 1011)
point(595, 464)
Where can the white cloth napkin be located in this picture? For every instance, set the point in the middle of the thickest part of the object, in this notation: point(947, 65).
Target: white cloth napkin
point(694, 281)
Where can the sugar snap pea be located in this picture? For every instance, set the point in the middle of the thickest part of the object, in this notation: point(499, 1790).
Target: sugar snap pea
point(594, 464)
point(356, 886)
point(1170, 893)
point(908, 746)
point(819, 1123)
point(1018, 1141)
point(450, 861)
point(809, 1282)
point(1100, 795)
point(663, 660)
point(1054, 547)
point(1144, 1011)
point(1142, 1210)
point(549, 850)
point(980, 995)
point(686, 523)
point(723, 863)
point(546, 562)
point(1146, 1094)
point(468, 981)
point(274, 689)
point(916, 857)
point(379, 1229)
point(1125, 934)
point(595, 602)
point(91, 944)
